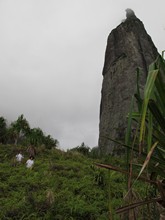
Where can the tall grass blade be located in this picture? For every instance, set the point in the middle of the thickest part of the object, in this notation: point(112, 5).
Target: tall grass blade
point(150, 129)
point(157, 114)
point(147, 94)
point(117, 169)
point(134, 205)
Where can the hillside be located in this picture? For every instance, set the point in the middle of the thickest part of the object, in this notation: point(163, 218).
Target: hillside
point(61, 185)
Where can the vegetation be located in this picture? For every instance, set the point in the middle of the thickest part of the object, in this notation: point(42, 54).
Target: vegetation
point(61, 185)
point(19, 132)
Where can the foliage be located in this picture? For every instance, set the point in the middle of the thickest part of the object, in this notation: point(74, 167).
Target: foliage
point(61, 185)
point(19, 132)
point(19, 129)
point(3, 130)
point(84, 149)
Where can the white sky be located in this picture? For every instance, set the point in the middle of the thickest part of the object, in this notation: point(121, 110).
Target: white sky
point(52, 56)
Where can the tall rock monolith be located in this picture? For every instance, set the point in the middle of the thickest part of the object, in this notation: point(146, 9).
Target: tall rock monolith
point(128, 47)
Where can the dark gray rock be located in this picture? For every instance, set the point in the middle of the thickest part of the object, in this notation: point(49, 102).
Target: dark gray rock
point(128, 47)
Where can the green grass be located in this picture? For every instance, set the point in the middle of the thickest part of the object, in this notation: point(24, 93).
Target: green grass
point(62, 185)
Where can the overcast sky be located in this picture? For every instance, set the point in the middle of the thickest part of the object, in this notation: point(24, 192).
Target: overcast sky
point(52, 56)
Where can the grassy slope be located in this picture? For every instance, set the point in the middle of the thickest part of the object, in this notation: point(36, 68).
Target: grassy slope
point(60, 186)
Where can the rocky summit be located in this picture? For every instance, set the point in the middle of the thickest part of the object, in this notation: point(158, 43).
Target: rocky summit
point(128, 47)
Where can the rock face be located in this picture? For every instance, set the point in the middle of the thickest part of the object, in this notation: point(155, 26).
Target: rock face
point(128, 47)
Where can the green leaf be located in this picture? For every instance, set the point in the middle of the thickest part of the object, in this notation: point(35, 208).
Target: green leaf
point(147, 94)
point(157, 114)
point(150, 129)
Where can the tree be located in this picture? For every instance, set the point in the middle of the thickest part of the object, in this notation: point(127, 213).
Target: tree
point(19, 129)
point(36, 137)
point(49, 142)
point(95, 152)
point(3, 130)
point(84, 149)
